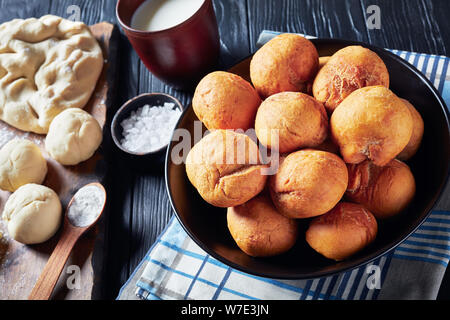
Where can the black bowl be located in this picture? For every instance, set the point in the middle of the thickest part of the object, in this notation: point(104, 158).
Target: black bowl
point(207, 224)
point(141, 159)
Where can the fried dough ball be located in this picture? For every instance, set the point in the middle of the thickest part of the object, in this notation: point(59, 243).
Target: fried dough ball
point(385, 191)
point(223, 100)
point(347, 70)
point(417, 134)
point(308, 183)
point(225, 168)
point(328, 144)
point(288, 62)
point(323, 61)
point(371, 123)
point(343, 231)
point(259, 229)
point(298, 119)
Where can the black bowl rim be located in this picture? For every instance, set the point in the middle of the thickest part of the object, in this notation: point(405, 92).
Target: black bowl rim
point(363, 260)
point(114, 122)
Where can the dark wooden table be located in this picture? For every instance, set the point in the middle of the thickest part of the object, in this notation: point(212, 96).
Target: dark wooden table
point(139, 207)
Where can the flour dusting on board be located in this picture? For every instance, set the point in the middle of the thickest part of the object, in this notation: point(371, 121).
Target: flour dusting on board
point(86, 206)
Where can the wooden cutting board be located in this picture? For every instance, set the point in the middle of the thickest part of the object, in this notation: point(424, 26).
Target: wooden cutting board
point(21, 265)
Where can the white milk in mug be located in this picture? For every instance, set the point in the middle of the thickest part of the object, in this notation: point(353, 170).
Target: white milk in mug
point(156, 15)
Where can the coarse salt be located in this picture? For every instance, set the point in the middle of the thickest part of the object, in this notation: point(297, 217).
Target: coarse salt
point(86, 206)
point(149, 128)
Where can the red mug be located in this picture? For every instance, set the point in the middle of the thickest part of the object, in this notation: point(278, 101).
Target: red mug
point(180, 55)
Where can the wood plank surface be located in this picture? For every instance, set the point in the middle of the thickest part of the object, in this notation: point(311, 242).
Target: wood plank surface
point(21, 264)
point(139, 204)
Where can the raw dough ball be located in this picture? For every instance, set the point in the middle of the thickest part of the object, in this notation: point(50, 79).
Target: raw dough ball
point(21, 162)
point(385, 191)
point(371, 123)
point(343, 231)
point(33, 214)
point(417, 134)
point(288, 62)
point(348, 69)
point(223, 100)
point(73, 137)
point(225, 168)
point(46, 65)
point(308, 183)
point(301, 121)
point(259, 230)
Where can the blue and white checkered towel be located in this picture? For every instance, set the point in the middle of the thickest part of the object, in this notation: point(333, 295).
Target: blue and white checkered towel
point(176, 268)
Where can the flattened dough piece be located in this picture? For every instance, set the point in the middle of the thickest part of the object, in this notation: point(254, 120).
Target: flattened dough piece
point(46, 66)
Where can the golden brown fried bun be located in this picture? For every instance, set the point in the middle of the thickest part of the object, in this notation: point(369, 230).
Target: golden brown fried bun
point(259, 229)
point(371, 123)
point(417, 134)
point(223, 100)
point(225, 168)
point(308, 183)
point(348, 69)
point(385, 191)
point(343, 231)
point(328, 144)
point(298, 119)
point(288, 62)
point(323, 61)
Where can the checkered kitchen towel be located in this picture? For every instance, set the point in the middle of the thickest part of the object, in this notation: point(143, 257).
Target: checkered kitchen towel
point(176, 268)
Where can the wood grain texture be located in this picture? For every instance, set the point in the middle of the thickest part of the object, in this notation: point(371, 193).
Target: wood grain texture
point(70, 234)
point(23, 9)
point(410, 25)
point(139, 207)
point(121, 185)
point(46, 282)
point(234, 36)
point(21, 264)
point(240, 23)
point(244, 20)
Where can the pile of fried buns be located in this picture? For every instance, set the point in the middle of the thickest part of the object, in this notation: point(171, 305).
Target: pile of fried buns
point(342, 137)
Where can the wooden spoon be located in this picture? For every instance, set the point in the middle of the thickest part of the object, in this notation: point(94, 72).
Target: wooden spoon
point(49, 277)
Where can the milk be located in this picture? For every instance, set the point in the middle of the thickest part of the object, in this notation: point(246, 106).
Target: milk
point(155, 15)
